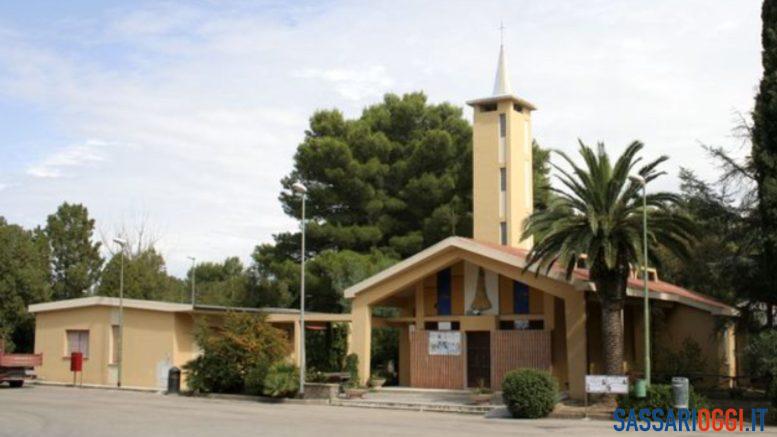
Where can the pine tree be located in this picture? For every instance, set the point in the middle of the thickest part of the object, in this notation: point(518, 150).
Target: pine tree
point(765, 154)
point(76, 260)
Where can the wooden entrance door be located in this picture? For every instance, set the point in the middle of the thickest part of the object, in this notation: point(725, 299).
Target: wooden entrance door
point(478, 358)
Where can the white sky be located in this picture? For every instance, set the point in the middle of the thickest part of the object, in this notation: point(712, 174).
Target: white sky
point(189, 115)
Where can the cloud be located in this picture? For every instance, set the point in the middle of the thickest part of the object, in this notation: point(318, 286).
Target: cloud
point(80, 155)
point(351, 83)
point(194, 113)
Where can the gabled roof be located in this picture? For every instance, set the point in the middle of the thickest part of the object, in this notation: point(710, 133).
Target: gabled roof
point(658, 290)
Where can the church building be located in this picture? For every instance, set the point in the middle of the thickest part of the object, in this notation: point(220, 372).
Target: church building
point(468, 313)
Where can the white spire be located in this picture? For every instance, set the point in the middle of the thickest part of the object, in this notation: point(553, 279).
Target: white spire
point(502, 82)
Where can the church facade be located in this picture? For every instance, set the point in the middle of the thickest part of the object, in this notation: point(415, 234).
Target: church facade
point(467, 313)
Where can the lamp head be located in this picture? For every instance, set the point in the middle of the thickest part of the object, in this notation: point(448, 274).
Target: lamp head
point(299, 188)
point(120, 242)
point(638, 179)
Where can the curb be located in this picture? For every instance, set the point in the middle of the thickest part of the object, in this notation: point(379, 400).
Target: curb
point(98, 387)
point(262, 399)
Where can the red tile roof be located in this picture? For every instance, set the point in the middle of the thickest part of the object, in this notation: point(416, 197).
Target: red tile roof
point(634, 283)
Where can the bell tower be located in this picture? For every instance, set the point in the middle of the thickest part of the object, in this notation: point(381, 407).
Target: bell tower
point(502, 190)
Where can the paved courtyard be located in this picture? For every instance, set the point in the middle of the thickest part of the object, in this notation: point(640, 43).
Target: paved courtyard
point(62, 411)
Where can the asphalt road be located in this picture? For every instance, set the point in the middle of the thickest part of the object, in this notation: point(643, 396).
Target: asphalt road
point(62, 411)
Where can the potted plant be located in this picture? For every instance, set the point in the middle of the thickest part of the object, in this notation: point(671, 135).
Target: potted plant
point(378, 379)
point(481, 395)
point(353, 389)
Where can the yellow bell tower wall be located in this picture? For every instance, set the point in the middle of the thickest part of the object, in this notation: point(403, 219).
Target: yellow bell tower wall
point(502, 189)
point(502, 185)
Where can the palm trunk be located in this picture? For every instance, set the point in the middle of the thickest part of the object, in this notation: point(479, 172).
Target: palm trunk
point(612, 336)
point(611, 289)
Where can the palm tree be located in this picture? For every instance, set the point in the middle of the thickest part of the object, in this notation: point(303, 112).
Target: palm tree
point(599, 213)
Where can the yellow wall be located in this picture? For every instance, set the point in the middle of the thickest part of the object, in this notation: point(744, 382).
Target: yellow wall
point(485, 166)
point(717, 345)
point(150, 337)
point(51, 341)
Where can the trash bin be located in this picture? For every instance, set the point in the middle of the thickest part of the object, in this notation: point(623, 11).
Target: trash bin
point(174, 380)
point(640, 388)
point(680, 393)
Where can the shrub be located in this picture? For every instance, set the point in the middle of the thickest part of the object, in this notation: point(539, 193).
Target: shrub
point(761, 356)
point(325, 350)
point(282, 381)
point(660, 396)
point(254, 378)
point(352, 367)
point(244, 344)
point(687, 361)
point(314, 375)
point(772, 392)
point(529, 393)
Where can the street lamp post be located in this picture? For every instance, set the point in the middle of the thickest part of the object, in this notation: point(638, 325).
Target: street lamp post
point(299, 188)
point(194, 276)
point(120, 340)
point(641, 181)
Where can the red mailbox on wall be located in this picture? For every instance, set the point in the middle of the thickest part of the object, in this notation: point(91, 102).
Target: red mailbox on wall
point(76, 361)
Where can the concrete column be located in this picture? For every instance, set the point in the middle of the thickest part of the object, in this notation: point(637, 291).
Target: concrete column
point(362, 336)
point(297, 342)
point(574, 314)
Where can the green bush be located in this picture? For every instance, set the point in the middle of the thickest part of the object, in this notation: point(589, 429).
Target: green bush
point(282, 381)
point(244, 344)
point(325, 350)
point(772, 392)
point(529, 393)
point(660, 396)
point(687, 361)
point(352, 367)
point(254, 378)
point(761, 356)
point(314, 375)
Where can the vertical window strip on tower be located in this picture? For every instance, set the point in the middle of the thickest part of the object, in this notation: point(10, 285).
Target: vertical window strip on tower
point(502, 191)
point(503, 233)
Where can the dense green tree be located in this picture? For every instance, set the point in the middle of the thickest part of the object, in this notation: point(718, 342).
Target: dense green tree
point(764, 155)
point(25, 276)
point(723, 260)
point(598, 212)
point(145, 277)
point(541, 176)
point(225, 283)
point(75, 258)
point(327, 275)
point(382, 180)
point(380, 188)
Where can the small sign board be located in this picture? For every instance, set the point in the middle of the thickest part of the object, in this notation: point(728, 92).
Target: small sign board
point(444, 343)
point(606, 384)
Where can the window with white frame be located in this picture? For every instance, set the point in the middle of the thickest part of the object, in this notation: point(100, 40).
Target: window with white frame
point(78, 341)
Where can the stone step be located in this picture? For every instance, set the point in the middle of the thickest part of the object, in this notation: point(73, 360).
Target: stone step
point(415, 406)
